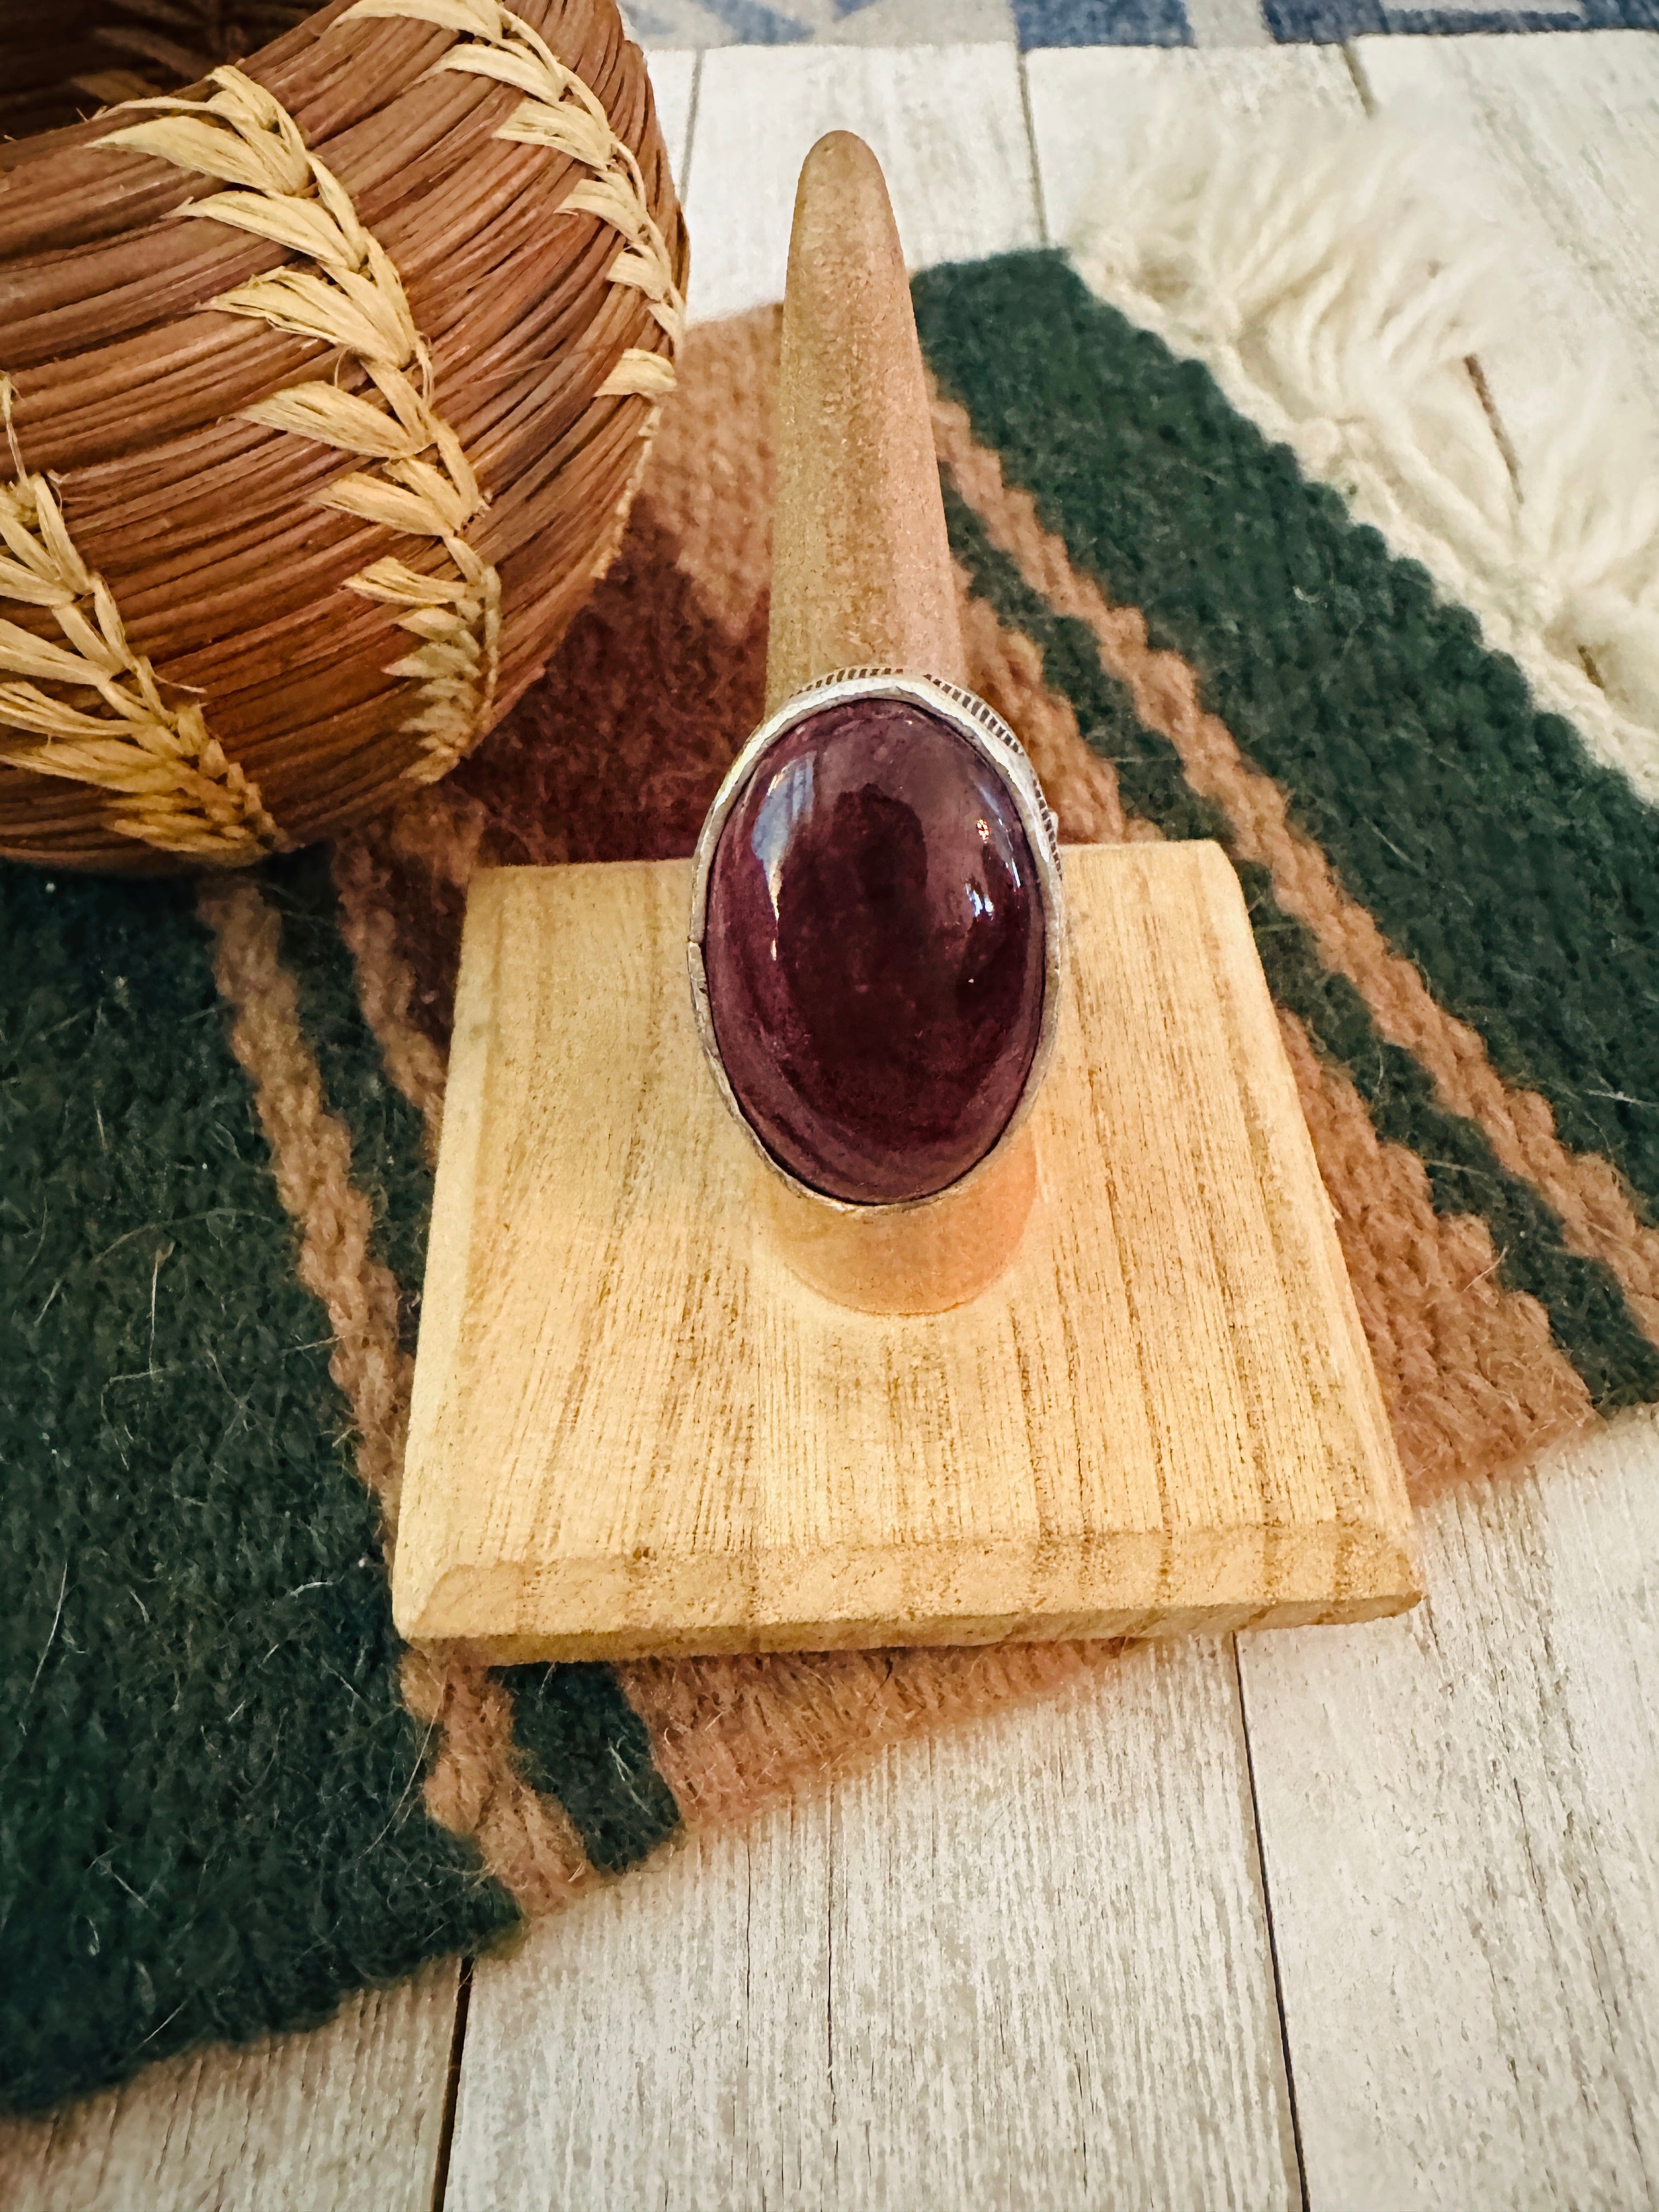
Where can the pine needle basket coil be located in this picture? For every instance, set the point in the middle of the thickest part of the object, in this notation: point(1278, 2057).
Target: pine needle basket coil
point(327, 381)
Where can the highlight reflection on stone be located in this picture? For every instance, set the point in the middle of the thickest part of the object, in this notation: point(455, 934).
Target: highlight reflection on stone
point(873, 946)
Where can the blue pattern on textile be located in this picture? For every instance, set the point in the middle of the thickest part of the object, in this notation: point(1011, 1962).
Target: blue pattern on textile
point(1329, 21)
point(1101, 23)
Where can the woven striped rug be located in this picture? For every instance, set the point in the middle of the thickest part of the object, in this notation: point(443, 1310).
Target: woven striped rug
point(229, 1796)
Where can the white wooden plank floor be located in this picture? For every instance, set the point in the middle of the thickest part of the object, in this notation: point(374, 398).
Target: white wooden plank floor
point(947, 123)
point(1458, 1817)
point(1343, 1917)
point(350, 2119)
point(1025, 1966)
point(674, 82)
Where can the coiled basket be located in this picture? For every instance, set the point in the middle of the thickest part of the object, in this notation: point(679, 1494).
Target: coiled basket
point(327, 381)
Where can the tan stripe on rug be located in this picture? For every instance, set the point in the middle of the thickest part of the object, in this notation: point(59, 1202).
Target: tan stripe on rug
point(385, 982)
point(712, 475)
point(1472, 1377)
point(730, 1735)
point(1586, 1191)
point(473, 1787)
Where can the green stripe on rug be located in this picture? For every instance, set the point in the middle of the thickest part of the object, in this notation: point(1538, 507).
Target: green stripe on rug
point(1521, 876)
point(211, 1818)
point(388, 1155)
point(1589, 1315)
point(580, 1738)
point(581, 1741)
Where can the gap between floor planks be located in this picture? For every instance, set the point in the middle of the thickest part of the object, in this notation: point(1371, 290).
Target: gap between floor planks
point(998, 1970)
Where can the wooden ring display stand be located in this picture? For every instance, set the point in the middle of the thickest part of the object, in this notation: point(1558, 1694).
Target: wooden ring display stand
point(665, 1404)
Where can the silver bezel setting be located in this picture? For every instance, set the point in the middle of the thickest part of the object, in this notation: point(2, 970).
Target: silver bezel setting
point(989, 735)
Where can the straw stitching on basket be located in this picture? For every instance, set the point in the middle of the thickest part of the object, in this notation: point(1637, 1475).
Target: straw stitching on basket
point(308, 757)
point(344, 292)
point(560, 112)
point(169, 782)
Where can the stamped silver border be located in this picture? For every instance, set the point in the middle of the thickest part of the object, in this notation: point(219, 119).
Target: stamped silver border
point(990, 736)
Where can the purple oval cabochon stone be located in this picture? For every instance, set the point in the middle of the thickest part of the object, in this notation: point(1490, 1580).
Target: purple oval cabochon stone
point(873, 945)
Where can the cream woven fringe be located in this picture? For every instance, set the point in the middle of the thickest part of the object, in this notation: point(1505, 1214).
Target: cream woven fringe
point(1328, 280)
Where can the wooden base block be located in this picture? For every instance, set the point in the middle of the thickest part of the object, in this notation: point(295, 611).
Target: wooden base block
point(636, 1429)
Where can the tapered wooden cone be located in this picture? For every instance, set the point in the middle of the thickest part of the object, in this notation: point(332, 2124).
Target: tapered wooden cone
point(861, 575)
point(861, 563)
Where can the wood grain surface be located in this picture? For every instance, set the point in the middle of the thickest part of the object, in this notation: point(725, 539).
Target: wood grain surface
point(349, 2118)
point(1024, 1966)
point(1458, 1814)
point(634, 1430)
point(861, 574)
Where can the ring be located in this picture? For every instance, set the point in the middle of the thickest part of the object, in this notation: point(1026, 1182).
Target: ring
point(878, 938)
